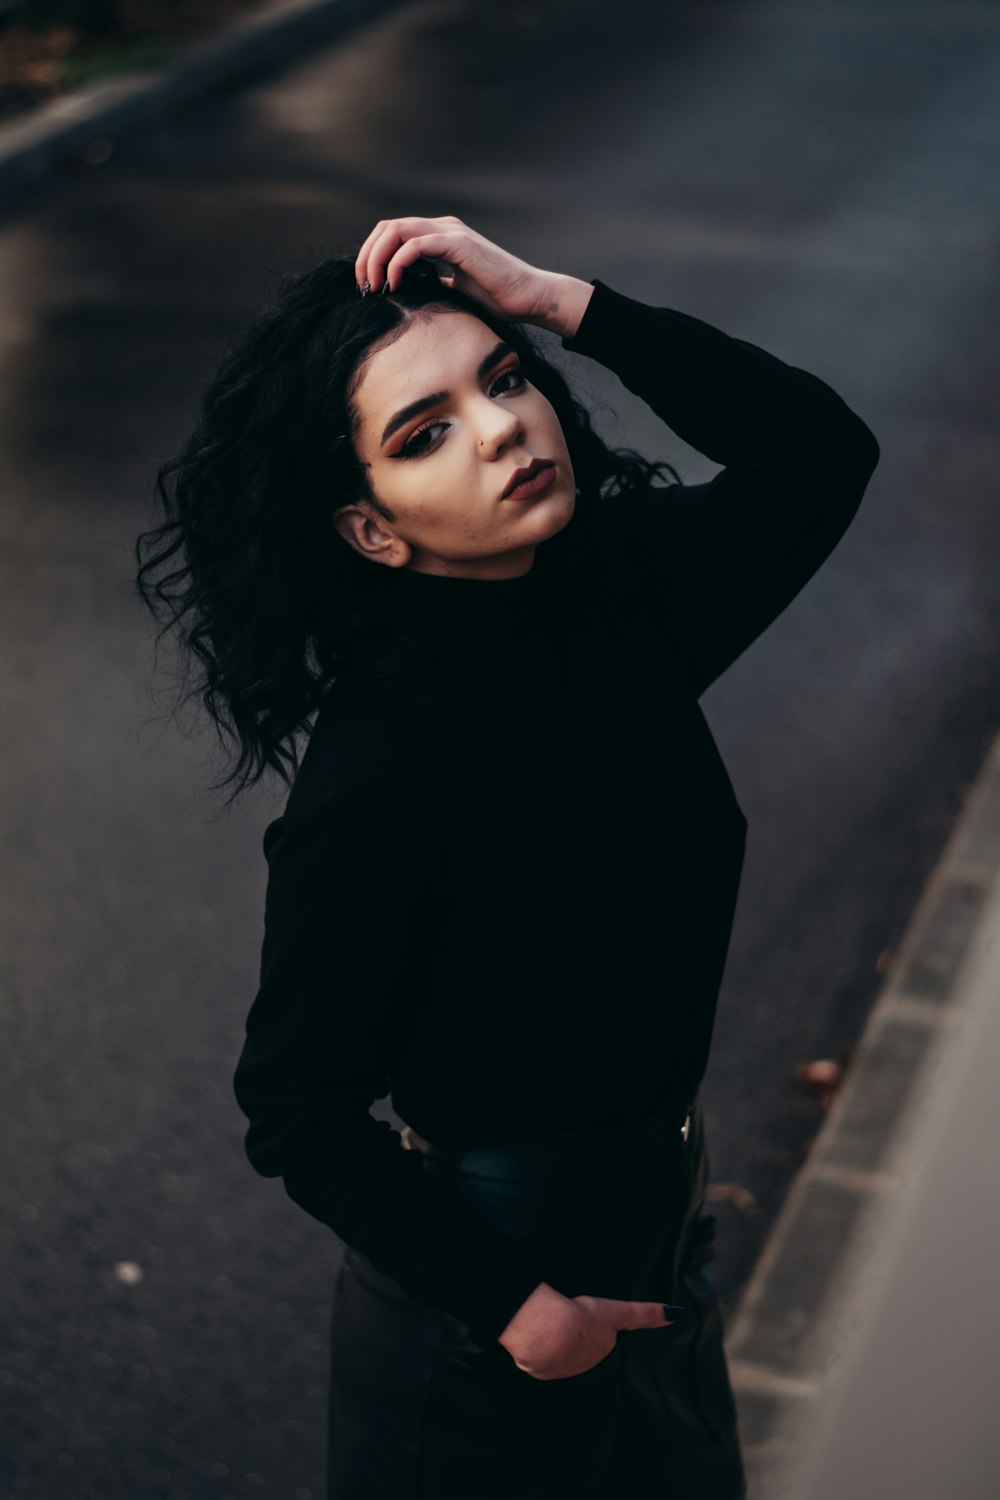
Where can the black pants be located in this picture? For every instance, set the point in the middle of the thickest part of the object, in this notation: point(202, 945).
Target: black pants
point(421, 1410)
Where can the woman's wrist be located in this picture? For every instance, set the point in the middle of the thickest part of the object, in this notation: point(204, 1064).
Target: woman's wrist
point(562, 304)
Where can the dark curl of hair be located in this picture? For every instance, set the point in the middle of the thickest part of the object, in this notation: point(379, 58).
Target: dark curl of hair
point(269, 602)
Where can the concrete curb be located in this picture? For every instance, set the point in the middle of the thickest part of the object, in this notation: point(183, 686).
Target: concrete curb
point(912, 1403)
point(81, 128)
point(786, 1339)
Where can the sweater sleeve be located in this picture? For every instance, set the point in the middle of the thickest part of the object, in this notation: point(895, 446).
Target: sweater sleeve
point(727, 556)
point(348, 901)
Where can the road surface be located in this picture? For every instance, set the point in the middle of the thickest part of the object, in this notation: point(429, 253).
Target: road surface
point(818, 178)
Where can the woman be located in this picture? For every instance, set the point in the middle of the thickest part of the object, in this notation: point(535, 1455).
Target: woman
point(502, 886)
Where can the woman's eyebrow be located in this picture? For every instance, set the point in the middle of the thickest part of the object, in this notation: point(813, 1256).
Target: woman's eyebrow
point(425, 402)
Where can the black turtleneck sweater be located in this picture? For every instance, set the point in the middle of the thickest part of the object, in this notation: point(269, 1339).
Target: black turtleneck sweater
point(511, 910)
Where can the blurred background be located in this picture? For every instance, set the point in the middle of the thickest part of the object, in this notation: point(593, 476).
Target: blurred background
point(819, 178)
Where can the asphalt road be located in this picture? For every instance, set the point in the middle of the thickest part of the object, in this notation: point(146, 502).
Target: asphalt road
point(818, 178)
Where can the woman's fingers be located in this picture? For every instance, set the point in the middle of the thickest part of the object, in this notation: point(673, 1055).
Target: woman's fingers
point(391, 235)
point(361, 259)
point(623, 1313)
point(382, 246)
point(386, 237)
point(433, 246)
point(646, 1314)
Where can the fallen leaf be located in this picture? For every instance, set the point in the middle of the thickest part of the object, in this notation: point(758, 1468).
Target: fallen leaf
point(824, 1073)
point(734, 1193)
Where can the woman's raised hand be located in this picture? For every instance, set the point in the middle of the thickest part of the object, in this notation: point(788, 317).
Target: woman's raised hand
point(482, 270)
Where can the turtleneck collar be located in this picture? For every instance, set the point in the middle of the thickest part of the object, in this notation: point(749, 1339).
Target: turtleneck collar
point(459, 611)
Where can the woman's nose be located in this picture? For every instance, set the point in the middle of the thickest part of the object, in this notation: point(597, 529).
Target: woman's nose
point(499, 428)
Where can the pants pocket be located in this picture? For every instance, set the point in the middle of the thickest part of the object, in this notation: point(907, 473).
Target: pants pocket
point(493, 1431)
point(603, 1374)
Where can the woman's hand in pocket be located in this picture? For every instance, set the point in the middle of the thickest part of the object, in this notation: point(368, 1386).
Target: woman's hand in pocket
point(553, 1337)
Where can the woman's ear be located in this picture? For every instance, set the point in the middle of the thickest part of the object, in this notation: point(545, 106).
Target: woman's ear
point(364, 530)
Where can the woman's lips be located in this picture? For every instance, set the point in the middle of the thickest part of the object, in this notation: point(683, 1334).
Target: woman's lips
point(534, 486)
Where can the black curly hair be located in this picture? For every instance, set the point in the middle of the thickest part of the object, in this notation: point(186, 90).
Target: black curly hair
point(270, 604)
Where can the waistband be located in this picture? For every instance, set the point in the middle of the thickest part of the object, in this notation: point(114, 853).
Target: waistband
point(589, 1146)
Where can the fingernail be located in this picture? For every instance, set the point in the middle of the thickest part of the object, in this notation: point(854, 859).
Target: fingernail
point(383, 288)
point(673, 1307)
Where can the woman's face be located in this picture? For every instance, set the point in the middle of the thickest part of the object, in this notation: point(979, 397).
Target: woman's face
point(446, 419)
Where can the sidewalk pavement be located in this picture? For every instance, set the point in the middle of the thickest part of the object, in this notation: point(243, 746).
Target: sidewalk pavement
point(81, 128)
point(865, 1354)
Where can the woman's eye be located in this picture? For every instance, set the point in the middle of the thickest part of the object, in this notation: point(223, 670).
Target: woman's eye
point(516, 372)
point(414, 445)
